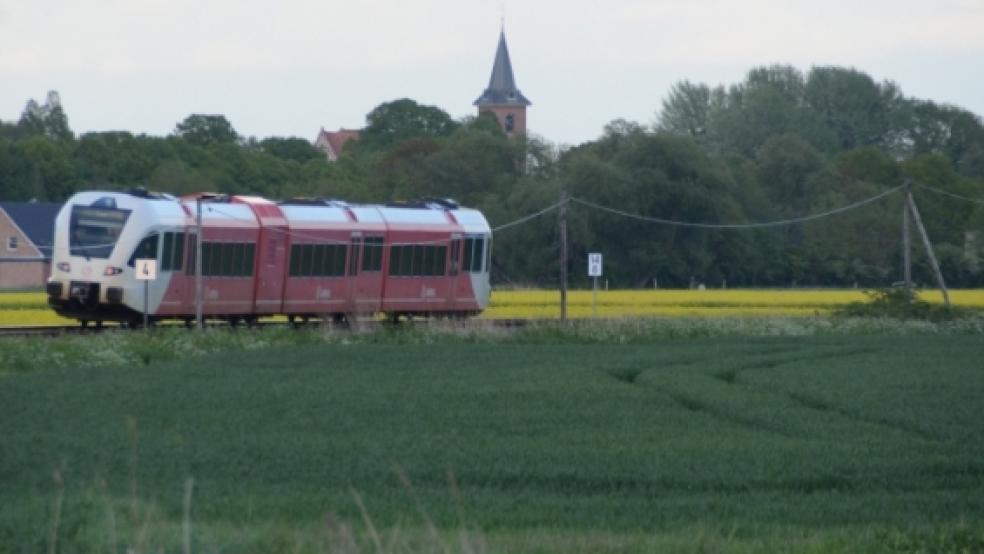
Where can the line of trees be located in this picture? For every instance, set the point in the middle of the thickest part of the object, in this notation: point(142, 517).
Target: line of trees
point(781, 143)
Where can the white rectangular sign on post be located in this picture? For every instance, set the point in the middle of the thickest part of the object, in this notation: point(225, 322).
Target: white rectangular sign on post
point(594, 264)
point(146, 269)
point(146, 272)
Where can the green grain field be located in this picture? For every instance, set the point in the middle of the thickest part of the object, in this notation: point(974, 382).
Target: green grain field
point(537, 441)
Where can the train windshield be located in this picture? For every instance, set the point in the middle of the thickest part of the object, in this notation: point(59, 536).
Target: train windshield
point(94, 231)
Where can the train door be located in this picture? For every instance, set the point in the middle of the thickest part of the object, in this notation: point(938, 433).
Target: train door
point(368, 277)
point(171, 276)
point(352, 274)
point(270, 270)
point(454, 271)
point(471, 266)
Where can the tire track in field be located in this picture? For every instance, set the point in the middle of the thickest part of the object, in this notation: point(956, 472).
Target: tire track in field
point(813, 403)
point(694, 403)
point(730, 375)
point(630, 375)
point(697, 405)
point(820, 405)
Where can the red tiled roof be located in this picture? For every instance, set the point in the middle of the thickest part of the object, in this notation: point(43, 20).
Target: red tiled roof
point(336, 139)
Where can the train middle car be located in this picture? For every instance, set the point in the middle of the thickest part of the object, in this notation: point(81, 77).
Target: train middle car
point(306, 258)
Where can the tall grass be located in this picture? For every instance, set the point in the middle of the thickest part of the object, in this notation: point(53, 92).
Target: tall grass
point(113, 348)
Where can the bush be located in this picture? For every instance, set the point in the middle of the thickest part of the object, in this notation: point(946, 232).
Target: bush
point(900, 303)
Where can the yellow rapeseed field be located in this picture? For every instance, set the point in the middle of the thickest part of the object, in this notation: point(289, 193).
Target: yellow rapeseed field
point(27, 308)
point(716, 302)
point(17, 300)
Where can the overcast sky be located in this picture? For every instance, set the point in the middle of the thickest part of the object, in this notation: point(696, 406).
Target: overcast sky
point(289, 67)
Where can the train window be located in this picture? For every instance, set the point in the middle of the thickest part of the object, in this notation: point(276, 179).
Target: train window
point(94, 230)
point(146, 249)
point(295, 260)
point(232, 261)
point(167, 251)
point(214, 264)
point(307, 259)
point(455, 255)
point(354, 255)
point(428, 262)
point(206, 258)
point(372, 254)
point(474, 254)
point(467, 256)
point(249, 257)
point(406, 260)
point(418, 260)
point(224, 259)
point(317, 260)
point(339, 265)
point(396, 252)
point(438, 263)
point(172, 252)
point(192, 250)
point(478, 255)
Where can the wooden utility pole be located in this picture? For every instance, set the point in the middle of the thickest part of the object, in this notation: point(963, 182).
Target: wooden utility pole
point(199, 297)
point(928, 246)
point(906, 243)
point(563, 256)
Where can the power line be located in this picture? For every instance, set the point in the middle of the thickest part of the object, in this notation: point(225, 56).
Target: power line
point(951, 194)
point(755, 225)
point(530, 217)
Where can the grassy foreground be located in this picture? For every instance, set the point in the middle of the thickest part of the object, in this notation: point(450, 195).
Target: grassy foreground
point(625, 438)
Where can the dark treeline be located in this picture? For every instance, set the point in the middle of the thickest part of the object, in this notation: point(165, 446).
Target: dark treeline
point(779, 145)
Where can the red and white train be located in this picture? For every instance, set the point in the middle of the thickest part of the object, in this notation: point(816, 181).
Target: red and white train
point(322, 259)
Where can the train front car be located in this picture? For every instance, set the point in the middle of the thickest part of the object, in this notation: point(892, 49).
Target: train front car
point(98, 237)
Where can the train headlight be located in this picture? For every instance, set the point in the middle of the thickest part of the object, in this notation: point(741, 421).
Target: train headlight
point(64, 266)
point(110, 270)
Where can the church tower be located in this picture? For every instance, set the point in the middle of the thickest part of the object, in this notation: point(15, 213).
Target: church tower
point(502, 98)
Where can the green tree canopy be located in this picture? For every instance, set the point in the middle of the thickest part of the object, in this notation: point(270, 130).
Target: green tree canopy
point(203, 129)
point(400, 120)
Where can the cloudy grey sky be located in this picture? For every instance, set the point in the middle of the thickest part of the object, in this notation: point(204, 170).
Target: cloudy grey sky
point(288, 67)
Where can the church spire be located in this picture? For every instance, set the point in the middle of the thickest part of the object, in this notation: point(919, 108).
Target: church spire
point(502, 99)
point(502, 89)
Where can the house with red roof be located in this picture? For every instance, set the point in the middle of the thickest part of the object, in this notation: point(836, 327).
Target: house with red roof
point(333, 142)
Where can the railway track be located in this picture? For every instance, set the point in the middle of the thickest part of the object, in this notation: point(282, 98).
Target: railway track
point(78, 329)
